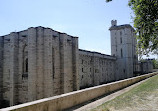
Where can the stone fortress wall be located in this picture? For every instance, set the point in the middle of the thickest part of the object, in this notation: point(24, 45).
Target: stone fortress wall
point(39, 62)
point(95, 68)
point(145, 66)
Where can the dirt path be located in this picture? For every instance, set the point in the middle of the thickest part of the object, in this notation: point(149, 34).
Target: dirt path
point(142, 97)
point(107, 98)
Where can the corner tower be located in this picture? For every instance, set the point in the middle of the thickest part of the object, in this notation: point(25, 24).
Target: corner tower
point(123, 46)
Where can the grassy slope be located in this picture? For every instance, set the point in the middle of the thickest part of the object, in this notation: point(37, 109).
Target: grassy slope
point(139, 96)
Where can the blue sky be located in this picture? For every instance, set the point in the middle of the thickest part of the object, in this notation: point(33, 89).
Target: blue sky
point(87, 19)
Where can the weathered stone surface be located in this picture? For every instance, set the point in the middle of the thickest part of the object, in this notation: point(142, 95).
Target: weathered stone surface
point(64, 101)
point(123, 46)
point(13, 68)
point(39, 62)
point(95, 68)
point(1, 68)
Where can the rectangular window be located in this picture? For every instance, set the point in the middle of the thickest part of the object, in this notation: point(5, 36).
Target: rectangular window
point(82, 69)
point(82, 61)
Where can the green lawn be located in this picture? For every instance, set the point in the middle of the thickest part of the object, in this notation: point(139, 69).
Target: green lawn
point(140, 98)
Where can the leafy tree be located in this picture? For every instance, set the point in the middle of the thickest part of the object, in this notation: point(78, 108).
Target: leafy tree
point(108, 0)
point(146, 24)
point(155, 64)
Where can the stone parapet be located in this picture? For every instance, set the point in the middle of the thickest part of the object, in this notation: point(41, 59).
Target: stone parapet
point(71, 99)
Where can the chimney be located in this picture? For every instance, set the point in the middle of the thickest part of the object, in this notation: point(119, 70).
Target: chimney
point(114, 23)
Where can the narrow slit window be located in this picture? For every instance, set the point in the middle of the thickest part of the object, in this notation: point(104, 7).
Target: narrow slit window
point(121, 37)
point(121, 53)
point(53, 62)
point(26, 65)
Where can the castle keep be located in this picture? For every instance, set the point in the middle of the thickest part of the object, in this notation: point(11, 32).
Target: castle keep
point(39, 62)
point(123, 46)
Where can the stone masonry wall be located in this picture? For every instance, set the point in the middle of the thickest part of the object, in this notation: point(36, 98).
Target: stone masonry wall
point(123, 46)
point(22, 73)
point(95, 68)
point(6, 71)
point(37, 63)
point(1, 69)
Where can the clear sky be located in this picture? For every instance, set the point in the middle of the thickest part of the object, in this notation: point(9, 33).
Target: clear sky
point(87, 19)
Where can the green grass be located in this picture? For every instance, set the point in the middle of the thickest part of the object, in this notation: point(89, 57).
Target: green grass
point(133, 98)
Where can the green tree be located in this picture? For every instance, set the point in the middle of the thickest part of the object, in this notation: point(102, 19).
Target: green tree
point(155, 64)
point(108, 0)
point(146, 24)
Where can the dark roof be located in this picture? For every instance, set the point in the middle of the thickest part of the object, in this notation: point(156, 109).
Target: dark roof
point(121, 27)
point(94, 52)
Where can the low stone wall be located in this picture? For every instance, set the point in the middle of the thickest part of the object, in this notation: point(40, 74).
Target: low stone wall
point(68, 100)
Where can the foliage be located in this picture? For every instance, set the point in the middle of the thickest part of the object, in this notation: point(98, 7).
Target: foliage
point(155, 64)
point(108, 0)
point(146, 24)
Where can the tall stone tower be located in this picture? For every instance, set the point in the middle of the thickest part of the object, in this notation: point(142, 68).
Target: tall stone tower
point(123, 46)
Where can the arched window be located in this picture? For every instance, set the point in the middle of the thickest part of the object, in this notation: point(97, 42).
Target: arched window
point(25, 62)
